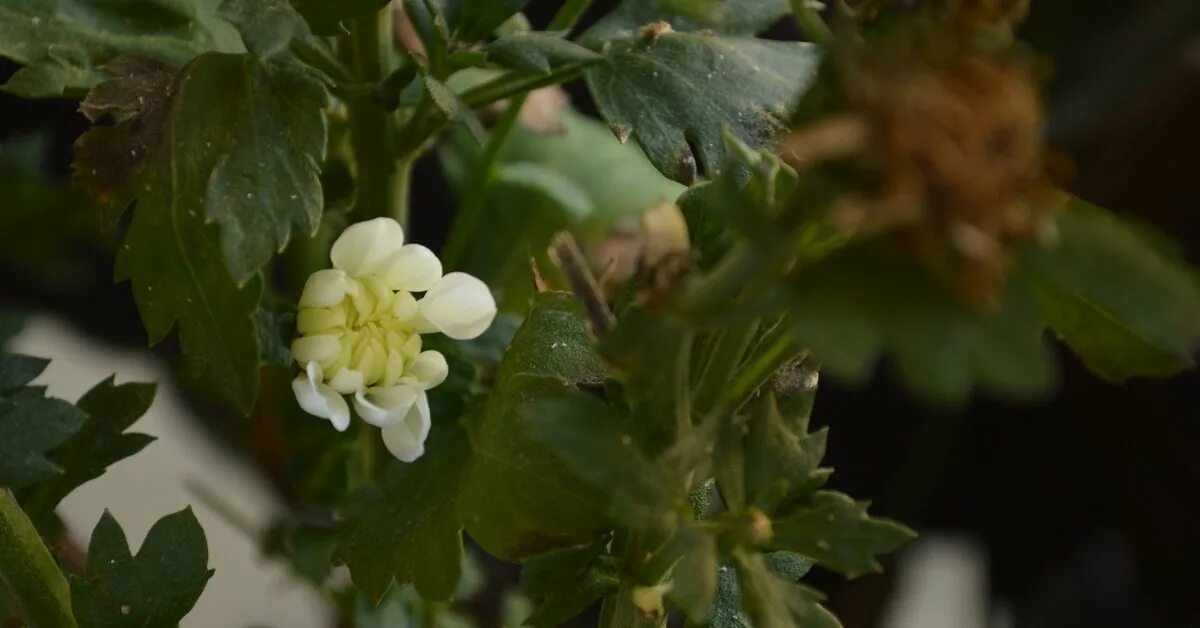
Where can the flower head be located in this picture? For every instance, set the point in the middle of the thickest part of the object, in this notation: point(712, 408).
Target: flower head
point(360, 327)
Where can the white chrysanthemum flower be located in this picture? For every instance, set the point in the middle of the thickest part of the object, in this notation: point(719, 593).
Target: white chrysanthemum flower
point(360, 329)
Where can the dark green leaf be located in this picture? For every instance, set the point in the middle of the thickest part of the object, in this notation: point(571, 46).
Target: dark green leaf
point(155, 588)
point(325, 16)
point(537, 52)
point(229, 139)
point(62, 44)
point(836, 532)
point(724, 17)
point(476, 19)
point(266, 26)
point(101, 442)
point(727, 605)
point(520, 498)
point(17, 370)
point(28, 572)
point(11, 323)
point(568, 581)
point(790, 566)
point(590, 438)
point(276, 329)
point(779, 449)
point(404, 526)
point(1125, 308)
point(678, 89)
point(864, 302)
point(31, 425)
point(443, 97)
point(771, 602)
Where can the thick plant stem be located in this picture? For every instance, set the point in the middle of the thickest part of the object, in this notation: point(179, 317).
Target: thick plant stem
point(381, 183)
point(29, 572)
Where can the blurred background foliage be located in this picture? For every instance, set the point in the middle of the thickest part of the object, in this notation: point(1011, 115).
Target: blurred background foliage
point(1086, 499)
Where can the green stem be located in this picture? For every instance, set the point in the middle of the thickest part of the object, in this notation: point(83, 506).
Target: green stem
point(513, 83)
point(568, 15)
point(774, 353)
point(808, 17)
point(29, 572)
point(723, 283)
point(381, 185)
point(485, 174)
point(726, 356)
point(619, 611)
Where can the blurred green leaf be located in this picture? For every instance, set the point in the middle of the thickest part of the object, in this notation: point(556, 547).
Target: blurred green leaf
point(771, 602)
point(696, 577)
point(325, 16)
point(520, 498)
point(17, 370)
point(1125, 308)
point(537, 52)
point(723, 17)
point(62, 45)
point(863, 303)
point(836, 532)
point(568, 581)
point(101, 442)
point(29, 578)
point(404, 526)
point(779, 449)
point(266, 26)
point(157, 587)
point(676, 92)
point(475, 20)
point(727, 604)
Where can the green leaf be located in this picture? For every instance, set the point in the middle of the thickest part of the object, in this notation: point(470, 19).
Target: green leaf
point(537, 52)
point(228, 139)
point(266, 26)
point(727, 605)
point(864, 302)
point(62, 45)
point(520, 498)
point(1125, 308)
point(325, 16)
point(696, 576)
point(476, 19)
point(781, 450)
point(276, 329)
point(772, 602)
point(17, 370)
point(678, 89)
point(591, 439)
point(28, 572)
point(836, 532)
point(724, 17)
point(568, 581)
point(157, 587)
point(101, 442)
point(31, 425)
point(405, 527)
point(12, 322)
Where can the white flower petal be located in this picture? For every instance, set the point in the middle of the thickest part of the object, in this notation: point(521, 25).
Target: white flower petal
point(413, 268)
point(459, 305)
point(385, 406)
point(313, 320)
point(347, 381)
point(429, 369)
point(404, 306)
point(364, 248)
point(317, 348)
point(325, 288)
point(320, 400)
point(406, 439)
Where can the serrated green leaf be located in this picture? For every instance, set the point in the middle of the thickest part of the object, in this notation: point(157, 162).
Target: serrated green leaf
point(537, 52)
point(405, 526)
point(771, 602)
point(28, 572)
point(779, 449)
point(227, 139)
point(568, 581)
point(836, 532)
point(325, 16)
point(101, 442)
point(266, 26)
point(157, 587)
point(17, 370)
point(30, 426)
point(677, 89)
point(591, 439)
point(520, 498)
point(724, 17)
point(1126, 309)
point(62, 45)
point(865, 302)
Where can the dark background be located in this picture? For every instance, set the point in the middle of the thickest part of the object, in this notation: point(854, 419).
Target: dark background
point(1086, 503)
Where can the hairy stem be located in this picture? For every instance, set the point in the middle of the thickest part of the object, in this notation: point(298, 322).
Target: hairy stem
point(29, 572)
